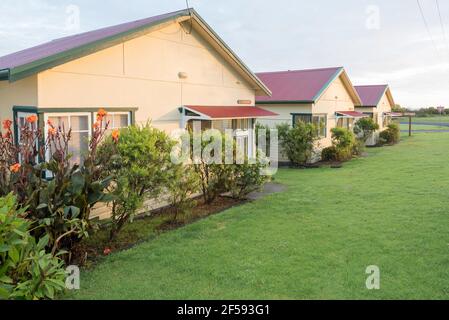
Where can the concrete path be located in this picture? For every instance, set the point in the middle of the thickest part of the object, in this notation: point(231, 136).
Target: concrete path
point(268, 189)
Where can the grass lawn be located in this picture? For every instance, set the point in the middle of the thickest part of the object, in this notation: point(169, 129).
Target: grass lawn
point(314, 241)
point(427, 119)
point(417, 127)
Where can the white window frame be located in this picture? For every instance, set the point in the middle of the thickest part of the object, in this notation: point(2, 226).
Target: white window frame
point(69, 115)
point(25, 115)
point(113, 113)
point(322, 117)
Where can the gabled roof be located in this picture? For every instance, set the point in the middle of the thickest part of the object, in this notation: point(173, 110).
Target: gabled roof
point(302, 86)
point(372, 95)
point(30, 61)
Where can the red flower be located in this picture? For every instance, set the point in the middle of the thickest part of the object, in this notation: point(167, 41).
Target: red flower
point(115, 135)
point(101, 114)
point(51, 131)
point(32, 119)
point(107, 251)
point(15, 168)
point(7, 124)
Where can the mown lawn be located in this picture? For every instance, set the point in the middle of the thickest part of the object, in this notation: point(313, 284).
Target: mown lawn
point(313, 241)
point(433, 119)
point(427, 127)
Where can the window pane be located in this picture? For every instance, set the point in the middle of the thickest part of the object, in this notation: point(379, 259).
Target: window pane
point(218, 125)
point(79, 123)
point(78, 146)
point(350, 123)
point(306, 118)
point(205, 124)
point(227, 124)
point(62, 122)
point(223, 125)
point(320, 122)
point(340, 123)
point(242, 124)
point(120, 121)
point(106, 119)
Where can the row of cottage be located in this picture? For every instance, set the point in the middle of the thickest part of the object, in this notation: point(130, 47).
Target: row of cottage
point(173, 69)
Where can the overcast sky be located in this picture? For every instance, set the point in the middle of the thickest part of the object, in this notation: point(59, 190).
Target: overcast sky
point(378, 41)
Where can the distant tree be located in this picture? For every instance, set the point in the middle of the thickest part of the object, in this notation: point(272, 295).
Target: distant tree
point(398, 108)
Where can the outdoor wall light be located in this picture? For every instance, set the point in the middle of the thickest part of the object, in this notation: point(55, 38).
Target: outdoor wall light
point(183, 75)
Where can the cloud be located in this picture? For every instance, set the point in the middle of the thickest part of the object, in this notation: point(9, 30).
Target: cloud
point(280, 35)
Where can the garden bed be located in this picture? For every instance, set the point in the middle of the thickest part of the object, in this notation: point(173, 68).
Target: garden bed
point(144, 228)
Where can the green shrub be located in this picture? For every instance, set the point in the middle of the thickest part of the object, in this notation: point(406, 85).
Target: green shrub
point(343, 141)
point(365, 127)
point(26, 270)
point(391, 135)
point(298, 143)
point(140, 167)
point(329, 154)
point(212, 174)
point(246, 178)
point(181, 186)
point(358, 147)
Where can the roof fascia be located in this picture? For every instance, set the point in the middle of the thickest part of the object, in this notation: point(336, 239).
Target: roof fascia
point(286, 102)
point(327, 85)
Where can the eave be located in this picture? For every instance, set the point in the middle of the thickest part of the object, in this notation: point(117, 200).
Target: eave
point(4, 74)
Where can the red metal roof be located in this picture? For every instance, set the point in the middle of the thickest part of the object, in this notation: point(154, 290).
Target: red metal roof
point(371, 95)
point(352, 114)
point(299, 85)
point(48, 55)
point(235, 112)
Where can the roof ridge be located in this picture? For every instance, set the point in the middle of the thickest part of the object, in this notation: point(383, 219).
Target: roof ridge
point(371, 85)
point(122, 24)
point(301, 70)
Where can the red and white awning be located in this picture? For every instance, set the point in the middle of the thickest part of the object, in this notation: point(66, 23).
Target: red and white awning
point(224, 112)
point(351, 114)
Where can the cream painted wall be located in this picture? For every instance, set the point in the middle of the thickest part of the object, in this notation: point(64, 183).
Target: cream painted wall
point(383, 106)
point(284, 112)
point(335, 98)
point(19, 93)
point(143, 73)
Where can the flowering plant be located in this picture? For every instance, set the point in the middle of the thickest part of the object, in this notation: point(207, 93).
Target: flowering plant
point(59, 195)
